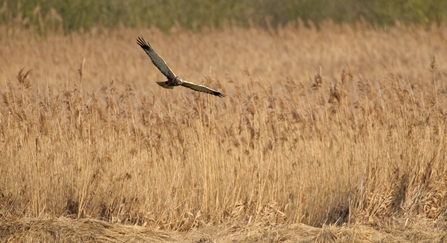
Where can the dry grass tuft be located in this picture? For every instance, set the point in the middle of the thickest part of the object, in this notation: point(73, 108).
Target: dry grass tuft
point(83, 230)
point(365, 145)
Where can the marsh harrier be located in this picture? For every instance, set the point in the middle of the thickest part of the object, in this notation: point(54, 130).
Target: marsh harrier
point(173, 80)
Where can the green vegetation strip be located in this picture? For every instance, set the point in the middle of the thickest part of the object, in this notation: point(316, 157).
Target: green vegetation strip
point(76, 15)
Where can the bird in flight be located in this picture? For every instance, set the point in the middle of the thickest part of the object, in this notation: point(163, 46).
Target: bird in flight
point(173, 80)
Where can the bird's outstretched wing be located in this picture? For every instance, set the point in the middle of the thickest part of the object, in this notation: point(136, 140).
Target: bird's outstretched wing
point(202, 88)
point(156, 59)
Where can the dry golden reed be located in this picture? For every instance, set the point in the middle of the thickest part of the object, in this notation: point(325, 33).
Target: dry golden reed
point(341, 125)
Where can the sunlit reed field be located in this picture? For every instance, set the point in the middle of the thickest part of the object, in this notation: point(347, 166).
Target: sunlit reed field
point(345, 125)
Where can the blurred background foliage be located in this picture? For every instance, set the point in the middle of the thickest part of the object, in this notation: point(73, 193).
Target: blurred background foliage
point(77, 15)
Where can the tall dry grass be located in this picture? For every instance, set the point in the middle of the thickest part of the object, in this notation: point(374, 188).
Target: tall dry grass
point(359, 140)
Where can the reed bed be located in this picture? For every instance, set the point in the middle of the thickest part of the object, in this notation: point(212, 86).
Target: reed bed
point(337, 126)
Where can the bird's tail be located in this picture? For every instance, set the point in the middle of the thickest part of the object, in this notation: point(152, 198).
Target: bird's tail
point(165, 85)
